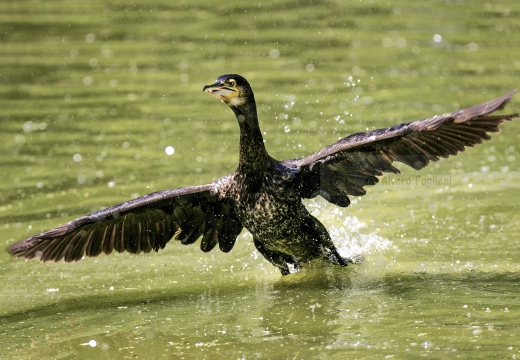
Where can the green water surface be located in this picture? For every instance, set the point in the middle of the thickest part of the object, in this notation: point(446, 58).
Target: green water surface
point(93, 92)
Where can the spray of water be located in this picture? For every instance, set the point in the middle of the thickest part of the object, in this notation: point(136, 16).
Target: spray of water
point(348, 233)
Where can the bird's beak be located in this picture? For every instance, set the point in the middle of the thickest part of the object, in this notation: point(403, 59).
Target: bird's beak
point(210, 88)
point(225, 93)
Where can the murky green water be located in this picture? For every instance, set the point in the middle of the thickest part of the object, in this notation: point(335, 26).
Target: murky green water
point(92, 93)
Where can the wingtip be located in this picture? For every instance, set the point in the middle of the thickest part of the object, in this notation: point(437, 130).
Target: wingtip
point(16, 250)
point(504, 99)
point(20, 249)
point(507, 97)
point(10, 250)
point(485, 109)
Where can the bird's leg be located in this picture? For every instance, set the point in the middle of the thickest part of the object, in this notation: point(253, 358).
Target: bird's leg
point(333, 256)
point(328, 250)
point(285, 263)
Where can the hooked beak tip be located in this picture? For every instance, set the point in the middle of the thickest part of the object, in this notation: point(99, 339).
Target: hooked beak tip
point(210, 87)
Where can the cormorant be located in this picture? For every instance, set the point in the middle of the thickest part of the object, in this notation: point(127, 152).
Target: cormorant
point(264, 195)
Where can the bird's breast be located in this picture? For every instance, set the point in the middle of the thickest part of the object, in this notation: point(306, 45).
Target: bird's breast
point(268, 204)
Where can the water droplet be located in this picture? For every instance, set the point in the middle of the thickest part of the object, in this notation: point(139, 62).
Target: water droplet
point(88, 80)
point(274, 54)
point(90, 38)
point(169, 150)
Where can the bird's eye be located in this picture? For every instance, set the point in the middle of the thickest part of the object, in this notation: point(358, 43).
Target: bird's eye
point(232, 83)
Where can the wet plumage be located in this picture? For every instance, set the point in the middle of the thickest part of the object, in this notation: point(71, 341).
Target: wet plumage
point(265, 195)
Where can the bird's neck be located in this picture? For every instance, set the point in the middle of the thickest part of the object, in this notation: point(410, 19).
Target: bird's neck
point(253, 155)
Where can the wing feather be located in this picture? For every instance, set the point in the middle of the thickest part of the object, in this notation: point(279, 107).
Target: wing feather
point(141, 225)
point(345, 167)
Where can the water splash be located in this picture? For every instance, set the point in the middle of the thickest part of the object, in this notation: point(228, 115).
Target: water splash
point(350, 241)
point(348, 232)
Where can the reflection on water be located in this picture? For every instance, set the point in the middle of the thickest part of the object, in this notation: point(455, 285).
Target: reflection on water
point(102, 103)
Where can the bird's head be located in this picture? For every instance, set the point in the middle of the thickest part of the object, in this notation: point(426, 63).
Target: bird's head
point(231, 89)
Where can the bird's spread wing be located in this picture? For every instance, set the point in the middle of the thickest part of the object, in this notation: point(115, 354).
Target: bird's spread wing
point(141, 225)
point(346, 166)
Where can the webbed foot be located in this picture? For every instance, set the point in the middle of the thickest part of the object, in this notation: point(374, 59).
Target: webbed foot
point(337, 259)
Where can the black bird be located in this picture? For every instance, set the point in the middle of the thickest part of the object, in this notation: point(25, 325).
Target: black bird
point(265, 195)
